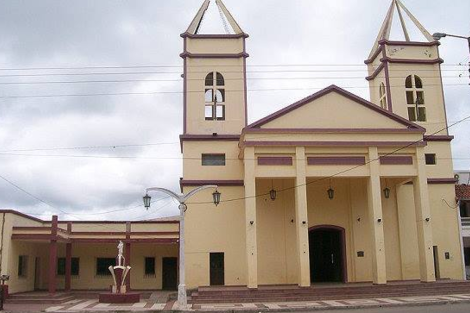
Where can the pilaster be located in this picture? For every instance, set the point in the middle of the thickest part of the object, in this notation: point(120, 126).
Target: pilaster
point(250, 218)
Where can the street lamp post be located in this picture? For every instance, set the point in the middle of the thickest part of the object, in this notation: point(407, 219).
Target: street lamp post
point(439, 36)
point(182, 198)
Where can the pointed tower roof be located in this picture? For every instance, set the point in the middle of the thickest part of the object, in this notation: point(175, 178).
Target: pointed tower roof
point(385, 30)
point(213, 18)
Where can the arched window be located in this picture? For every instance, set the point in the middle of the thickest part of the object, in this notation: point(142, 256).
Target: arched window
point(415, 99)
point(383, 96)
point(214, 97)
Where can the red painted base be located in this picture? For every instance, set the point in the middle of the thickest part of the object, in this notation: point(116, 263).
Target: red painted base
point(129, 297)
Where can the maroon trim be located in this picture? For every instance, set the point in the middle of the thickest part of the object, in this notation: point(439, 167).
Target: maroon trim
point(209, 137)
point(376, 72)
point(438, 138)
point(68, 266)
point(245, 84)
point(275, 161)
point(185, 89)
point(121, 222)
point(441, 181)
point(143, 240)
point(336, 160)
point(409, 43)
point(374, 56)
point(53, 256)
point(39, 237)
point(342, 92)
point(332, 130)
point(21, 214)
point(39, 228)
point(334, 143)
point(412, 61)
point(396, 160)
point(187, 183)
point(128, 263)
point(214, 36)
point(343, 245)
point(82, 233)
point(387, 82)
point(214, 55)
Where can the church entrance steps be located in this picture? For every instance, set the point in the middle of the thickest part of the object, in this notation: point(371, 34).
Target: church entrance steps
point(326, 292)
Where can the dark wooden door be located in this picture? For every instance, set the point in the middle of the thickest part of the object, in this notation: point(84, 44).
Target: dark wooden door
point(326, 259)
point(217, 271)
point(170, 273)
point(37, 273)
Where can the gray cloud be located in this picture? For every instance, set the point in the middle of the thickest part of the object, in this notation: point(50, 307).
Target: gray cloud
point(50, 33)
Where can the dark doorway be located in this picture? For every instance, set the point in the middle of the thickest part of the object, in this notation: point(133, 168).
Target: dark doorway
point(169, 273)
point(327, 254)
point(435, 251)
point(37, 273)
point(217, 270)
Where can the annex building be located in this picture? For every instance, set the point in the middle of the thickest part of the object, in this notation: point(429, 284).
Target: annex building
point(332, 188)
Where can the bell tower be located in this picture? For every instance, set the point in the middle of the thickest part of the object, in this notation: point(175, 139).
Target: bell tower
point(214, 56)
point(405, 74)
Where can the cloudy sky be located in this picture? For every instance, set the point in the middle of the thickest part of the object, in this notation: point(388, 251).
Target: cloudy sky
point(91, 156)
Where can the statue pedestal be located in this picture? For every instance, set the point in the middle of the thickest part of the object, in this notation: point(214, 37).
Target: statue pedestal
point(130, 297)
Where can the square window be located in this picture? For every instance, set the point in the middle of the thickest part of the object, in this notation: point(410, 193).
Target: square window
point(422, 114)
point(410, 99)
point(209, 96)
point(430, 159)
point(420, 97)
point(61, 266)
point(102, 265)
point(208, 112)
point(149, 266)
point(22, 266)
point(412, 114)
point(213, 159)
point(220, 112)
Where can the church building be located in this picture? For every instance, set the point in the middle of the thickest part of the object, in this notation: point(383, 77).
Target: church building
point(332, 188)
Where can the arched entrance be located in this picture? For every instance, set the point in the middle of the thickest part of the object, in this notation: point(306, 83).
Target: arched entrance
point(327, 245)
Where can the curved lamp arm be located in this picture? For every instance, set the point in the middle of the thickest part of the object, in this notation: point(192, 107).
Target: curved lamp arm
point(194, 191)
point(181, 198)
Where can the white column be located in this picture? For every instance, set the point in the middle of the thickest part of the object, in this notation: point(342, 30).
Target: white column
point(250, 218)
point(301, 218)
point(423, 219)
point(374, 192)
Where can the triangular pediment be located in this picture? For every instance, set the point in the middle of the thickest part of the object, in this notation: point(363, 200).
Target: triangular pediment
point(334, 108)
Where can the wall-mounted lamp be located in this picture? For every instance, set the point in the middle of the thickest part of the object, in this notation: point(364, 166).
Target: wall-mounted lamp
point(272, 192)
point(304, 222)
point(331, 192)
point(387, 193)
point(358, 219)
point(252, 222)
point(216, 197)
point(292, 220)
point(427, 219)
point(379, 220)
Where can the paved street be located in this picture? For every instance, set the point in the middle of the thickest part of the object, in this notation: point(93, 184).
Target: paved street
point(439, 308)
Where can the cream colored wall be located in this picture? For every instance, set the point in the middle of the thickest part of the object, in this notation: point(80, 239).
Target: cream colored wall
point(347, 114)
point(232, 70)
point(444, 165)
point(192, 163)
point(277, 263)
point(211, 45)
point(215, 229)
point(445, 226)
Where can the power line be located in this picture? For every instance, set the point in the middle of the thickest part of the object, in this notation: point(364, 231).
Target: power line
point(194, 79)
point(181, 66)
point(205, 72)
point(93, 147)
point(344, 171)
point(193, 91)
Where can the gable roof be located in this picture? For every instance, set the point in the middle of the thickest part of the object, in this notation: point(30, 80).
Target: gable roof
point(345, 93)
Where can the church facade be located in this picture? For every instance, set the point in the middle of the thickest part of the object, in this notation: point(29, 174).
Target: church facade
point(332, 188)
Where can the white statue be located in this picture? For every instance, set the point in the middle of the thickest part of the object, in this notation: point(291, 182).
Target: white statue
point(119, 286)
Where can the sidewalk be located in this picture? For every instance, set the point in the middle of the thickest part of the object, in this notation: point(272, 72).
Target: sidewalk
point(92, 305)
